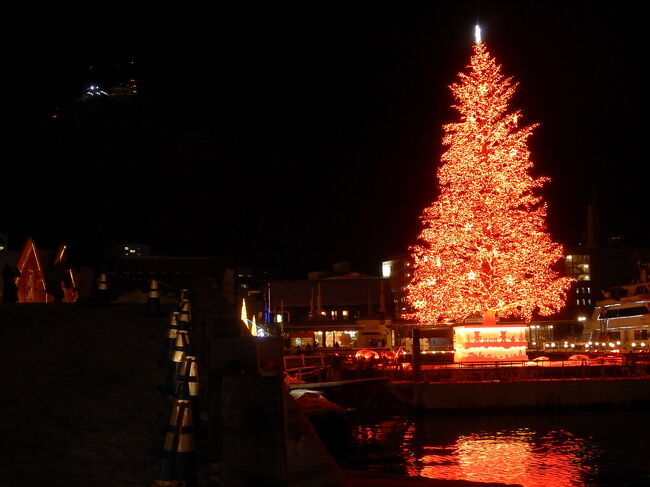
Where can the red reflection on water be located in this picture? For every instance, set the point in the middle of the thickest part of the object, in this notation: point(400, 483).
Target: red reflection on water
point(513, 458)
point(379, 432)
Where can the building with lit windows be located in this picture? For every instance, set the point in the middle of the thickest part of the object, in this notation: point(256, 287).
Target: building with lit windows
point(397, 269)
point(125, 250)
point(596, 269)
point(352, 309)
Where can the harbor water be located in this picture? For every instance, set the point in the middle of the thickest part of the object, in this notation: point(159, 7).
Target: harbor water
point(596, 447)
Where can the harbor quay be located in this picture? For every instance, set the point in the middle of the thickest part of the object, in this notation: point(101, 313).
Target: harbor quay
point(613, 380)
point(84, 398)
point(535, 393)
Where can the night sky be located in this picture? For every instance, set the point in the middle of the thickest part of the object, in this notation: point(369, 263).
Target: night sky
point(303, 133)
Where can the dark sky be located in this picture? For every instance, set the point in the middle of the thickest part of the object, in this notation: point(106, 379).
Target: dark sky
point(303, 133)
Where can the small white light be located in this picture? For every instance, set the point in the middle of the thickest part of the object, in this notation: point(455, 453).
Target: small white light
point(633, 344)
point(477, 33)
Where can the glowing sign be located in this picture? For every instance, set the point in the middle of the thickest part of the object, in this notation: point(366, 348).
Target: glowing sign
point(490, 343)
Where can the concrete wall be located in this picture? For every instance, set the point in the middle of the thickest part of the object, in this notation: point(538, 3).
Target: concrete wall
point(572, 392)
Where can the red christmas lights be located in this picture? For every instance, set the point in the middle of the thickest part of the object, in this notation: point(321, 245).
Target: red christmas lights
point(484, 249)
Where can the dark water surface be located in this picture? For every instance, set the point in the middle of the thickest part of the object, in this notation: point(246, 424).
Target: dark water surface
point(591, 448)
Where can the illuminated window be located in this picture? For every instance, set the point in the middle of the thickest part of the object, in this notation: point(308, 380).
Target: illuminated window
point(386, 269)
point(577, 266)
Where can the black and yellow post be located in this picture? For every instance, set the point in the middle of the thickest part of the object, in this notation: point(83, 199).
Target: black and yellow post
point(170, 341)
point(179, 468)
point(188, 381)
point(153, 301)
point(102, 290)
point(181, 348)
point(185, 317)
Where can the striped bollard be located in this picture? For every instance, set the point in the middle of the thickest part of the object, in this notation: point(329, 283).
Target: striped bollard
point(188, 379)
point(170, 341)
point(185, 316)
point(179, 467)
point(102, 289)
point(153, 300)
point(179, 351)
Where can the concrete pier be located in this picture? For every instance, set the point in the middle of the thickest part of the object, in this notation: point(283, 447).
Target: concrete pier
point(534, 393)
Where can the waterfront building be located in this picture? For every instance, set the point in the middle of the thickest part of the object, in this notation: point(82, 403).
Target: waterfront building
point(330, 308)
point(397, 269)
point(597, 269)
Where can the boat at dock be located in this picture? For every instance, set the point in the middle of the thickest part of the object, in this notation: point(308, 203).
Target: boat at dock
point(621, 321)
point(328, 418)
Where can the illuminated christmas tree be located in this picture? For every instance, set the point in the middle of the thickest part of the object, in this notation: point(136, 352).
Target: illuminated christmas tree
point(244, 315)
point(484, 249)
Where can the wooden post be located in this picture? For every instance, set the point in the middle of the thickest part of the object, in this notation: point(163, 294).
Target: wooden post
point(417, 361)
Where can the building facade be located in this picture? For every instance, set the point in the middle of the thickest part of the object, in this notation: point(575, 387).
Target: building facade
point(348, 311)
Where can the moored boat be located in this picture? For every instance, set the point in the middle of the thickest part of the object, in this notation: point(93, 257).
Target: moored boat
point(621, 321)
